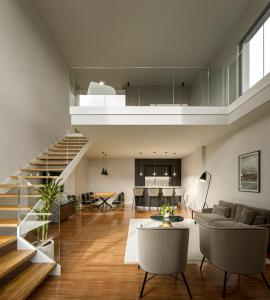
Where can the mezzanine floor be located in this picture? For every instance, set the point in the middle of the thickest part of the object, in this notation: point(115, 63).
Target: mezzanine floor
point(93, 248)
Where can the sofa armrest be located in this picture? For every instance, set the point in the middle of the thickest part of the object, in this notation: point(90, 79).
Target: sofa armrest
point(207, 210)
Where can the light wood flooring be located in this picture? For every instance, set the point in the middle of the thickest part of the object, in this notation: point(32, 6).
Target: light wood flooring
point(93, 248)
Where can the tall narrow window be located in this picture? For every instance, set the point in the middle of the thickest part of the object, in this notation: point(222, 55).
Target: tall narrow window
point(255, 52)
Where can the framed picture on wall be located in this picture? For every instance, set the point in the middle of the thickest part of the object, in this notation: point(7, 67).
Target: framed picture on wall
point(249, 172)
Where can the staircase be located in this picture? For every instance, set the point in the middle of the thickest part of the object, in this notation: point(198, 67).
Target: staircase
point(22, 266)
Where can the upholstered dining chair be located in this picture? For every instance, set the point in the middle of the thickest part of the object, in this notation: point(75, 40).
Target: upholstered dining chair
point(163, 251)
point(137, 193)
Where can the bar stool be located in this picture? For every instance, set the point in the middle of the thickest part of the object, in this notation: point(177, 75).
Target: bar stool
point(153, 192)
point(179, 193)
point(137, 192)
point(167, 193)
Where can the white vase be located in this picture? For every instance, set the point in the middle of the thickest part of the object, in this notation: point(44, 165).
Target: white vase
point(47, 247)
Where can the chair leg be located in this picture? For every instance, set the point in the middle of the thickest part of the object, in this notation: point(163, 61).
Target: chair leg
point(149, 203)
point(134, 203)
point(144, 281)
point(224, 285)
point(186, 284)
point(265, 281)
point(202, 262)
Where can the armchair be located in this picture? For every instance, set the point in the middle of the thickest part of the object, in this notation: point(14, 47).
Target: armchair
point(234, 248)
point(171, 257)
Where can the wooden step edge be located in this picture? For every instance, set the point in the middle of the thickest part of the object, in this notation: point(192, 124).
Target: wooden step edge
point(4, 196)
point(13, 259)
point(34, 177)
point(41, 163)
point(68, 153)
point(8, 223)
point(11, 186)
point(7, 239)
point(55, 158)
point(21, 286)
point(15, 207)
point(43, 170)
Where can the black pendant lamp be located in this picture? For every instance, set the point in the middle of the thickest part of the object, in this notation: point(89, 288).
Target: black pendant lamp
point(154, 173)
point(166, 172)
point(141, 172)
point(103, 161)
point(174, 173)
point(106, 171)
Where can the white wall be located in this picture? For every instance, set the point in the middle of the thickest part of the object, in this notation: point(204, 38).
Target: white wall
point(222, 162)
point(33, 89)
point(121, 176)
point(82, 176)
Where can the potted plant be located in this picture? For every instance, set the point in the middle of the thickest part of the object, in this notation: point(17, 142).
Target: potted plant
point(166, 210)
point(49, 193)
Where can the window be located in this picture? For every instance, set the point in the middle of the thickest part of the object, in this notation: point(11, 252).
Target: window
point(255, 52)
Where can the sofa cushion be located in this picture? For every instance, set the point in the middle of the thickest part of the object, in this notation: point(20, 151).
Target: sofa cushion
point(222, 210)
point(247, 216)
point(230, 224)
point(259, 220)
point(207, 219)
point(231, 205)
point(238, 214)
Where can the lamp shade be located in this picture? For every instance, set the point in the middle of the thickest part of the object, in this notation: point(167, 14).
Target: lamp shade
point(203, 176)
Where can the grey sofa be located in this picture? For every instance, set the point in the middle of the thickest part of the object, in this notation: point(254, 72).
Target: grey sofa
point(234, 248)
point(254, 216)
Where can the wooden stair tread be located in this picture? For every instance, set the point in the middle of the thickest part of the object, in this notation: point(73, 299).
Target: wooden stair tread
point(42, 163)
point(21, 196)
point(21, 286)
point(43, 170)
point(8, 223)
point(61, 153)
point(15, 207)
point(14, 185)
point(7, 239)
point(34, 177)
point(43, 157)
point(13, 259)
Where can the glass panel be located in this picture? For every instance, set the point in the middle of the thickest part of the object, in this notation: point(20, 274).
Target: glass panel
point(267, 46)
point(256, 58)
point(233, 81)
point(38, 217)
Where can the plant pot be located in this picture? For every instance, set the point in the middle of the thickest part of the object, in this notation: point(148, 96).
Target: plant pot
point(47, 247)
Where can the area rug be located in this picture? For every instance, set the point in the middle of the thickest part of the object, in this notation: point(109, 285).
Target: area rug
point(194, 254)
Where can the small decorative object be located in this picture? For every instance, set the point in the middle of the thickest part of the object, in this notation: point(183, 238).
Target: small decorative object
point(166, 211)
point(249, 172)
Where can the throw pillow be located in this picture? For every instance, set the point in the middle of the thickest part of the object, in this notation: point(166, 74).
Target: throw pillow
point(248, 216)
point(259, 220)
point(221, 210)
point(238, 213)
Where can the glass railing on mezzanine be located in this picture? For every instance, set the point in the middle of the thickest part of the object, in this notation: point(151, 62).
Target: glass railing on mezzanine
point(174, 86)
point(140, 86)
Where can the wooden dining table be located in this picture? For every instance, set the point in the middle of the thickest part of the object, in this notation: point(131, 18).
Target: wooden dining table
point(104, 198)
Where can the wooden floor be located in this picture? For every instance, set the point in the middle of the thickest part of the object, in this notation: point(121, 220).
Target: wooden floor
point(93, 247)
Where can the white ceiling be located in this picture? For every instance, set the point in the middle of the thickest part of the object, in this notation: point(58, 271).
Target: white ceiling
point(129, 141)
point(141, 33)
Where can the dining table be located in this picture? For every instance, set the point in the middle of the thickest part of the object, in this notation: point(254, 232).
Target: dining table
point(104, 197)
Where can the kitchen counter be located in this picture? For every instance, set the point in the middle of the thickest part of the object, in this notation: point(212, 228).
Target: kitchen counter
point(157, 187)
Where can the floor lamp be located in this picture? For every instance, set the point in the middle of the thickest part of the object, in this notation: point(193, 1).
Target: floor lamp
point(203, 178)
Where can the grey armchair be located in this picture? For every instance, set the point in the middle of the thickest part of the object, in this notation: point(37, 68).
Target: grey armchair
point(235, 248)
point(163, 251)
